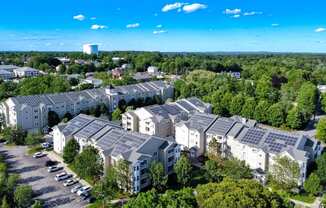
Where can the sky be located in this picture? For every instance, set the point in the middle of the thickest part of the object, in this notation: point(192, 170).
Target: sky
point(164, 25)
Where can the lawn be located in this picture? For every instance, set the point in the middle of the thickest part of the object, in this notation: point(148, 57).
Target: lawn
point(33, 149)
point(304, 198)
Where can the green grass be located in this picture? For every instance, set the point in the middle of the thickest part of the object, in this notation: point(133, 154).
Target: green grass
point(33, 149)
point(304, 198)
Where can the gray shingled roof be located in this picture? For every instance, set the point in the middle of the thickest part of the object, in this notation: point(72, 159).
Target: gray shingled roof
point(222, 126)
point(200, 121)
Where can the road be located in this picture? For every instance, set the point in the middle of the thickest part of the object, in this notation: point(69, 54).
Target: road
point(33, 172)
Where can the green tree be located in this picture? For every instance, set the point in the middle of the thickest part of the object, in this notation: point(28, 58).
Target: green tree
point(276, 114)
point(5, 203)
point(294, 119)
point(183, 170)
point(157, 174)
point(107, 188)
point(321, 130)
point(236, 169)
point(70, 151)
point(307, 100)
point(53, 118)
point(116, 115)
point(237, 194)
point(33, 139)
point(88, 163)
point(124, 175)
point(248, 108)
point(23, 196)
point(261, 111)
point(214, 150)
point(323, 102)
point(175, 199)
point(213, 171)
point(321, 168)
point(285, 173)
point(37, 204)
point(236, 105)
point(312, 184)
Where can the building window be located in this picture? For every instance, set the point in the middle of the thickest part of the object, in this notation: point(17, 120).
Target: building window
point(170, 159)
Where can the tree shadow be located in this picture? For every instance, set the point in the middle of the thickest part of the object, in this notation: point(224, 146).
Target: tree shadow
point(45, 190)
point(30, 179)
point(26, 169)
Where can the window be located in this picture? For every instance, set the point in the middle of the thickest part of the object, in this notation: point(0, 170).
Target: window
point(170, 159)
point(143, 181)
point(170, 151)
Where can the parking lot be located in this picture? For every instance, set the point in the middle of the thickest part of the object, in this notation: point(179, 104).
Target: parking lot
point(34, 172)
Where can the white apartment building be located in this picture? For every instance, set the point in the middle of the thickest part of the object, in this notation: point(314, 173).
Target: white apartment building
point(160, 120)
point(239, 138)
point(6, 75)
point(115, 144)
point(90, 49)
point(26, 72)
point(31, 112)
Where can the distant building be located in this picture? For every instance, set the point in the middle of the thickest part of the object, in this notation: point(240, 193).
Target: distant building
point(322, 88)
point(31, 112)
point(90, 49)
point(159, 120)
point(26, 72)
point(152, 70)
point(115, 144)
point(9, 68)
point(6, 75)
point(93, 81)
point(117, 73)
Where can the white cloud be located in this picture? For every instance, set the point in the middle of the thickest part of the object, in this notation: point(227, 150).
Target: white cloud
point(232, 11)
point(159, 26)
point(236, 16)
point(134, 25)
point(157, 32)
point(170, 7)
point(97, 27)
point(320, 29)
point(252, 13)
point(193, 7)
point(275, 25)
point(79, 17)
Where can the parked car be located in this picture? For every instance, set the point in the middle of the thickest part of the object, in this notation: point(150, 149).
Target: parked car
point(54, 169)
point(46, 145)
point(62, 176)
point(38, 155)
point(50, 163)
point(76, 188)
point(83, 190)
point(70, 182)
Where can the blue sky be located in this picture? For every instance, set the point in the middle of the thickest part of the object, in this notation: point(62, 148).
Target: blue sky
point(164, 25)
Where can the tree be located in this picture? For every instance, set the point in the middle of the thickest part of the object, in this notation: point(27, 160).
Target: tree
point(183, 170)
point(276, 114)
point(214, 150)
point(248, 108)
point(321, 130)
point(323, 102)
point(236, 169)
point(307, 100)
point(261, 111)
point(70, 151)
point(175, 199)
point(37, 204)
point(107, 188)
point(116, 115)
point(53, 118)
point(4, 203)
point(88, 164)
point(236, 105)
point(237, 194)
point(33, 139)
point(285, 173)
point(23, 196)
point(294, 119)
point(321, 168)
point(124, 175)
point(157, 174)
point(312, 184)
point(213, 171)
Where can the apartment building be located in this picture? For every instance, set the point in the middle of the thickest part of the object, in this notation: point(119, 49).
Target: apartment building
point(240, 138)
point(115, 144)
point(26, 72)
point(160, 120)
point(31, 112)
point(6, 75)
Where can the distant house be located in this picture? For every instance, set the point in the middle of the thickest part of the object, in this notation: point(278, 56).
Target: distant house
point(26, 72)
point(6, 75)
point(152, 70)
point(142, 76)
point(125, 66)
point(322, 88)
point(117, 73)
point(9, 68)
point(93, 81)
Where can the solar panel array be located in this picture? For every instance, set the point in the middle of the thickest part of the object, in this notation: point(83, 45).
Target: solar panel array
point(201, 120)
point(91, 129)
point(185, 105)
point(276, 141)
point(253, 136)
point(221, 126)
point(76, 123)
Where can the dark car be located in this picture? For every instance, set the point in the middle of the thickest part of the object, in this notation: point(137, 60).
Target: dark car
point(50, 163)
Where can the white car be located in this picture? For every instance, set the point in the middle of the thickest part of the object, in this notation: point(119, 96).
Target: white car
point(70, 182)
point(54, 169)
point(38, 154)
point(76, 188)
point(83, 190)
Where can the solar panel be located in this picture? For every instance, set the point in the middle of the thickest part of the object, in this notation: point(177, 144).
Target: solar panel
point(277, 141)
point(253, 136)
